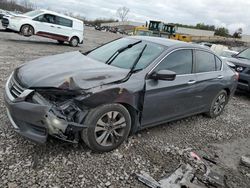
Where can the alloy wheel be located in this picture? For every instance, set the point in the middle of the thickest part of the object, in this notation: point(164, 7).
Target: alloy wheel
point(110, 128)
point(219, 104)
point(27, 31)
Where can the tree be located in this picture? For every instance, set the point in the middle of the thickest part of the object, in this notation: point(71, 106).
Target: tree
point(27, 4)
point(205, 27)
point(222, 31)
point(237, 33)
point(122, 13)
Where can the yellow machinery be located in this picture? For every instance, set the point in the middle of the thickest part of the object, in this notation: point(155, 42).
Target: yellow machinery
point(160, 29)
point(142, 31)
point(185, 38)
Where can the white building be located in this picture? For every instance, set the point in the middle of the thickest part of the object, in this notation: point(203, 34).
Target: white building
point(245, 38)
point(194, 32)
point(127, 23)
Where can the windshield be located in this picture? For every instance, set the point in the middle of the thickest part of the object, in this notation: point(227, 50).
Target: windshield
point(244, 54)
point(33, 13)
point(126, 58)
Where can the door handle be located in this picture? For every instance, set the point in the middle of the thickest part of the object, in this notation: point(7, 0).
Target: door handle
point(220, 77)
point(191, 82)
point(52, 26)
point(59, 27)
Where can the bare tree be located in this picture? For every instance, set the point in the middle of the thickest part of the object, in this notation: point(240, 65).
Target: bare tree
point(122, 13)
point(27, 4)
point(238, 33)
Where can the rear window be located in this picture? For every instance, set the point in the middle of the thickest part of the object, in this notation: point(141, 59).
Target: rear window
point(205, 62)
point(64, 21)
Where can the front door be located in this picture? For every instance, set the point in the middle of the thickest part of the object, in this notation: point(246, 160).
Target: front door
point(167, 100)
point(46, 25)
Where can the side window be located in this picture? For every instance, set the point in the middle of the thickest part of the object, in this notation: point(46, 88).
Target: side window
point(48, 18)
point(181, 62)
point(40, 18)
point(218, 63)
point(205, 61)
point(63, 21)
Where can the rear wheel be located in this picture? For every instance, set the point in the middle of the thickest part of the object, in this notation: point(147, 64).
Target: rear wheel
point(27, 30)
point(109, 125)
point(218, 104)
point(74, 41)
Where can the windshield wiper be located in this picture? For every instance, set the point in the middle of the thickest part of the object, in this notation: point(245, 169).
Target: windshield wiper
point(242, 57)
point(132, 69)
point(112, 58)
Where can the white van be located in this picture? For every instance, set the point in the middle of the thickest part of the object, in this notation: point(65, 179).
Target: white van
point(47, 24)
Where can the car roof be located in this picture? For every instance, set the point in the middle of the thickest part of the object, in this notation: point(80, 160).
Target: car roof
point(168, 42)
point(58, 14)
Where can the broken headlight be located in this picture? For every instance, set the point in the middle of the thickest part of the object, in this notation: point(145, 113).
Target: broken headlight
point(62, 103)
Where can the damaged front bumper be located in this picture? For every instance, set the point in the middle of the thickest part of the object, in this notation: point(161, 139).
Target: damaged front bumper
point(37, 119)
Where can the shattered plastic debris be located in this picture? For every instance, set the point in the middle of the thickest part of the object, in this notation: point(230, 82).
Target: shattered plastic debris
point(186, 176)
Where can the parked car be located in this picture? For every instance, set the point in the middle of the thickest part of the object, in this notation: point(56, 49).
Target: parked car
point(119, 88)
point(47, 24)
point(97, 27)
point(228, 54)
point(242, 66)
point(207, 44)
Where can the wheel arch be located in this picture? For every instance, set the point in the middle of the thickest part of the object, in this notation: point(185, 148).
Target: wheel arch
point(75, 36)
point(28, 25)
point(131, 101)
point(134, 115)
point(228, 91)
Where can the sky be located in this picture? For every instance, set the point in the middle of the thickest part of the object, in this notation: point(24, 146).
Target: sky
point(221, 13)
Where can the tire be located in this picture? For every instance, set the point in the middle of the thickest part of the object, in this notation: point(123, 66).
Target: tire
point(74, 41)
point(218, 104)
point(109, 126)
point(27, 30)
point(60, 41)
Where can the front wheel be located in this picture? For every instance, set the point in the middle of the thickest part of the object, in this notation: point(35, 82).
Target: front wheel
point(27, 30)
point(109, 125)
point(218, 104)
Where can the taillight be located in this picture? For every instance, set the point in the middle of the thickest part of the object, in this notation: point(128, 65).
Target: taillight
point(237, 75)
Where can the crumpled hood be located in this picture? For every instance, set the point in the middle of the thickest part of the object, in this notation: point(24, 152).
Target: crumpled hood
point(72, 70)
point(239, 61)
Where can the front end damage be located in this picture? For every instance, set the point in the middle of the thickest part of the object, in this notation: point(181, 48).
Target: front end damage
point(36, 114)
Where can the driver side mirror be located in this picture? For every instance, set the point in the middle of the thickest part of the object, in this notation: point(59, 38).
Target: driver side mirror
point(166, 75)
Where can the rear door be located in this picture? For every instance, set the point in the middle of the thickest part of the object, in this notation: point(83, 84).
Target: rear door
point(167, 100)
point(64, 26)
point(209, 76)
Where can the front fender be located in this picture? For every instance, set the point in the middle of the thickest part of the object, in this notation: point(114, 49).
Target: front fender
point(114, 95)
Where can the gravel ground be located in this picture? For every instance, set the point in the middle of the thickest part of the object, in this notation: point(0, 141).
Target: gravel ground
point(156, 150)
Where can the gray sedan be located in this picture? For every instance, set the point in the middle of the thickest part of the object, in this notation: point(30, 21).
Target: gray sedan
point(119, 88)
